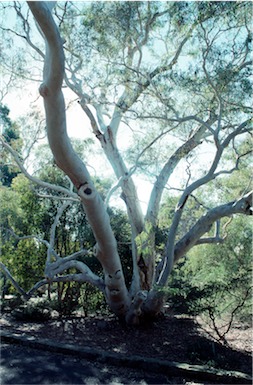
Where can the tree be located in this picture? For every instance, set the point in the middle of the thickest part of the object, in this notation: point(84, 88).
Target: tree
point(11, 135)
point(186, 106)
point(214, 279)
point(24, 258)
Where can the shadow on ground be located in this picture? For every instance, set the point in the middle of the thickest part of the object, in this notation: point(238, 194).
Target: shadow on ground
point(169, 338)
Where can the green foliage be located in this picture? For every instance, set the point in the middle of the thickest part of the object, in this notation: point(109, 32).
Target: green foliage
point(107, 24)
point(64, 297)
point(144, 241)
point(92, 300)
point(10, 211)
point(10, 132)
point(216, 279)
point(24, 213)
point(25, 260)
point(30, 205)
point(60, 300)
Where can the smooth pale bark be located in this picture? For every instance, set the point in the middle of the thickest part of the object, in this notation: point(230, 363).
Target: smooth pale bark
point(204, 224)
point(211, 174)
point(157, 191)
point(244, 205)
point(107, 139)
point(71, 164)
point(169, 167)
point(143, 232)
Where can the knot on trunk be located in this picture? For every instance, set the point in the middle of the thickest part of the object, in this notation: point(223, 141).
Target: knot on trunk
point(43, 90)
point(114, 291)
point(112, 280)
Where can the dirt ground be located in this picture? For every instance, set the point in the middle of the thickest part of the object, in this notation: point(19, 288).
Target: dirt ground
point(174, 338)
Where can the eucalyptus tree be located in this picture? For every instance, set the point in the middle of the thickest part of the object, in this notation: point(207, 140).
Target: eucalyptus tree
point(172, 79)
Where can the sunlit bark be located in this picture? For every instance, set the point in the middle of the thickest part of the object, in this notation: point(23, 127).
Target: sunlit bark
point(71, 164)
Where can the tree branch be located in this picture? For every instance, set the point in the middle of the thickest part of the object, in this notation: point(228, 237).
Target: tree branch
point(203, 225)
point(128, 98)
point(169, 167)
point(215, 239)
point(210, 175)
point(35, 180)
point(43, 241)
point(13, 281)
point(57, 267)
point(26, 28)
point(71, 164)
point(66, 263)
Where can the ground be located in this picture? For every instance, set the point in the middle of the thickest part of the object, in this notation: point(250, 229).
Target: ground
point(172, 337)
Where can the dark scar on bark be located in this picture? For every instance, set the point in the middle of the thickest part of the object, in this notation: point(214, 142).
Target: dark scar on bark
point(88, 190)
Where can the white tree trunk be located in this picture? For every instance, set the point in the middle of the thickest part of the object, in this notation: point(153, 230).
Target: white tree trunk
point(66, 159)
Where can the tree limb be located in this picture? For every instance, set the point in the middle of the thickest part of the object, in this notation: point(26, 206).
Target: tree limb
point(170, 165)
point(13, 281)
point(71, 164)
point(210, 175)
point(203, 225)
point(33, 179)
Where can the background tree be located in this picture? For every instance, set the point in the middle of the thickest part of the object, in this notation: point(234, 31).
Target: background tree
point(214, 280)
point(164, 72)
point(10, 133)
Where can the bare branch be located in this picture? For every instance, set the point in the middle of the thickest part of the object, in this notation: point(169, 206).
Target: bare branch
point(60, 211)
point(34, 179)
point(80, 277)
point(13, 281)
point(128, 98)
point(215, 239)
point(56, 197)
point(169, 167)
point(40, 240)
point(204, 224)
point(210, 175)
point(57, 267)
